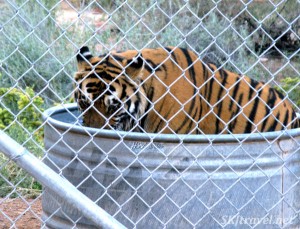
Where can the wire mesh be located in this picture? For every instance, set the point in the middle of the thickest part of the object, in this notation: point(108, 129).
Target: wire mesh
point(198, 180)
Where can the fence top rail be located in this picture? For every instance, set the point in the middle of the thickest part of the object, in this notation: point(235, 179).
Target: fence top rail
point(219, 138)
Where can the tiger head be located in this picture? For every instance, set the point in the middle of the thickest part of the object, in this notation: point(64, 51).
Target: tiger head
point(111, 84)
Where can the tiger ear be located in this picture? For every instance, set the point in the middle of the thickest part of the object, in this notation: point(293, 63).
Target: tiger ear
point(135, 66)
point(78, 76)
point(83, 58)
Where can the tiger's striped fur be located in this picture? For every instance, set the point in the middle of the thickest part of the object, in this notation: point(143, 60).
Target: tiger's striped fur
point(171, 91)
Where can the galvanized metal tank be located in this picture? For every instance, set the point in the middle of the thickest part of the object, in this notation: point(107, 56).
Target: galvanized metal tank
point(177, 181)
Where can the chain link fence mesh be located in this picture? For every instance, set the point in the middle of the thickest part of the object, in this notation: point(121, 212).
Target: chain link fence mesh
point(39, 40)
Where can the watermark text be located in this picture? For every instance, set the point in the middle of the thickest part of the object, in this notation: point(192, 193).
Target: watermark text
point(240, 220)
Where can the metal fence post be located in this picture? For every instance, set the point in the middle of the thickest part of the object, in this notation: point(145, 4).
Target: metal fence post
point(57, 184)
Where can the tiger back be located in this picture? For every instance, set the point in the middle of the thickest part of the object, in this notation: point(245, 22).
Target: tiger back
point(170, 90)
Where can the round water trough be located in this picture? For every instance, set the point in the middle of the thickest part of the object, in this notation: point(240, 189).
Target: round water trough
point(173, 181)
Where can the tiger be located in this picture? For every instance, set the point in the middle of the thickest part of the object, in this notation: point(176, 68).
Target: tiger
point(171, 91)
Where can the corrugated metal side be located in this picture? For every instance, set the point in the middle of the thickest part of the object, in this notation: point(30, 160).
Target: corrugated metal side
point(148, 183)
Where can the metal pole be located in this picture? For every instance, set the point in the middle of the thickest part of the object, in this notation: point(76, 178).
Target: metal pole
point(57, 184)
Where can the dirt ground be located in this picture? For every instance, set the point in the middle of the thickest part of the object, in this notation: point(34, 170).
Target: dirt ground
point(20, 214)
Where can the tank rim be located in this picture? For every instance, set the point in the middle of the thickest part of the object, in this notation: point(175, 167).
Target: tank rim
point(135, 136)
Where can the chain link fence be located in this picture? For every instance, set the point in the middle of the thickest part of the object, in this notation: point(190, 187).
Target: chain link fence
point(142, 179)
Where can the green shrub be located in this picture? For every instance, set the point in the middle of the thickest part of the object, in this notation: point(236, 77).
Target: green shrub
point(20, 118)
point(23, 106)
point(292, 87)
